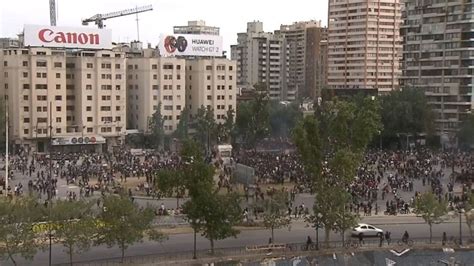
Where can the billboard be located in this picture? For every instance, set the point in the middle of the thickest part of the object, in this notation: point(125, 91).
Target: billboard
point(67, 37)
point(190, 45)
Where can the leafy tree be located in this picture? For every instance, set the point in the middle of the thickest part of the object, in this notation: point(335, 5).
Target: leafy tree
point(171, 182)
point(17, 217)
point(214, 215)
point(430, 209)
point(125, 223)
point(253, 117)
point(469, 212)
point(226, 130)
point(338, 133)
point(205, 125)
point(466, 133)
point(156, 126)
point(275, 212)
point(406, 111)
point(74, 226)
point(182, 129)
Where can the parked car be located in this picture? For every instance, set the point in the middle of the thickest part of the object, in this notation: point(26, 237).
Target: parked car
point(366, 230)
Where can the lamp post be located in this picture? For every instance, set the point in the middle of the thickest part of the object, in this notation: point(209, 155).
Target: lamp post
point(460, 211)
point(7, 162)
point(318, 215)
point(194, 225)
point(50, 180)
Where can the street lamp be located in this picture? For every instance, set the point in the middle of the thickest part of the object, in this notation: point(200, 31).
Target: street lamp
point(460, 212)
point(195, 222)
point(318, 217)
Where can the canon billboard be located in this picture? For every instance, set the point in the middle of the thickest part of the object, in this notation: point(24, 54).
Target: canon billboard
point(190, 45)
point(67, 37)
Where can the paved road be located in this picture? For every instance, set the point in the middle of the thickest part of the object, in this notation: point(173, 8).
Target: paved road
point(297, 234)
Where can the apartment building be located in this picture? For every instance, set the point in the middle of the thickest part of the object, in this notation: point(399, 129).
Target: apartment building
point(196, 27)
point(263, 58)
point(364, 44)
point(438, 57)
point(305, 68)
point(155, 82)
point(212, 83)
point(79, 95)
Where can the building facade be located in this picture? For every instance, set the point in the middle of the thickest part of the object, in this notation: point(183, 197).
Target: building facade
point(263, 58)
point(364, 44)
point(196, 27)
point(211, 83)
point(438, 57)
point(76, 98)
point(155, 82)
point(305, 68)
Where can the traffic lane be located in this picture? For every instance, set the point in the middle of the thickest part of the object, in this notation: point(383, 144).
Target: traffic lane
point(184, 242)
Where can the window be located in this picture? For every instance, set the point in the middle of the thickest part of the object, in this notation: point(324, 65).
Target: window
point(26, 120)
point(41, 97)
point(26, 109)
point(106, 98)
point(168, 107)
point(117, 66)
point(178, 87)
point(89, 76)
point(89, 108)
point(26, 131)
point(208, 87)
point(117, 108)
point(118, 76)
point(208, 77)
point(117, 87)
point(155, 87)
point(58, 64)
point(230, 97)
point(58, 108)
point(106, 66)
point(89, 97)
point(25, 97)
point(25, 63)
point(167, 66)
point(209, 67)
point(70, 65)
point(42, 120)
point(90, 130)
point(26, 86)
point(230, 87)
point(178, 76)
point(118, 119)
point(209, 97)
point(117, 97)
point(89, 65)
point(230, 107)
point(155, 77)
point(70, 108)
point(178, 67)
point(88, 87)
point(25, 74)
point(41, 64)
point(230, 77)
point(178, 107)
point(105, 108)
point(89, 119)
point(58, 75)
point(230, 68)
point(58, 119)
point(58, 86)
point(106, 87)
point(58, 98)
point(58, 130)
point(155, 97)
point(118, 129)
point(70, 97)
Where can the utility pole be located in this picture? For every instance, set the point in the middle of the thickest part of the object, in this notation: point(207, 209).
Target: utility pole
point(50, 179)
point(6, 148)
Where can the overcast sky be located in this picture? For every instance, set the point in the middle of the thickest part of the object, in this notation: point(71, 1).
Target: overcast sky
point(230, 16)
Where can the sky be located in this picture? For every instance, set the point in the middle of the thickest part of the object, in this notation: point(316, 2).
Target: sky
point(230, 16)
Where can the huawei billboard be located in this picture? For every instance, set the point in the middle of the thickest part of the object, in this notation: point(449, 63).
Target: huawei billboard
point(67, 37)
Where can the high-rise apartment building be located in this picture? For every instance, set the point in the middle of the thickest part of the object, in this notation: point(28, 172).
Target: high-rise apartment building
point(211, 83)
point(85, 89)
point(263, 58)
point(305, 68)
point(155, 82)
point(438, 57)
point(196, 27)
point(364, 44)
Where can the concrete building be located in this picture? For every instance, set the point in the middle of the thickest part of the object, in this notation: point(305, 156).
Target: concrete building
point(438, 57)
point(305, 68)
point(364, 44)
point(85, 89)
point(153, 82)
point(263, 58)
point(211, 82)
point(196, 27)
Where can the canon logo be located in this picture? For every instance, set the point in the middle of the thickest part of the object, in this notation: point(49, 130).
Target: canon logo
point(48, 36)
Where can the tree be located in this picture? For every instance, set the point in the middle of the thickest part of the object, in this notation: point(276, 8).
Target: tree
point(214, 215)
point(338, 134)
point(182, 129)
point(283, 118)
point(430, 209)
point(253, 117)
point(205, 125)
point(227, 129)
point(124, 223)
point(466, 133)
point(17, 218)
point(156, 126)
point(469, 212)
point(406, 111)
point(171, 182)
point(74, 226)
point(275, 212)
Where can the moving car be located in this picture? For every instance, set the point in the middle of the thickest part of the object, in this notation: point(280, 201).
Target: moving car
point(366, 230)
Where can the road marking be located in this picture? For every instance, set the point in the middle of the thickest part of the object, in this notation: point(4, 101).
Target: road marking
point(389, 262)
point(398, 254)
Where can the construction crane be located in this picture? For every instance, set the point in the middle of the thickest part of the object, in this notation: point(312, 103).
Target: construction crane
point(98, 19)
point(52, 12)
